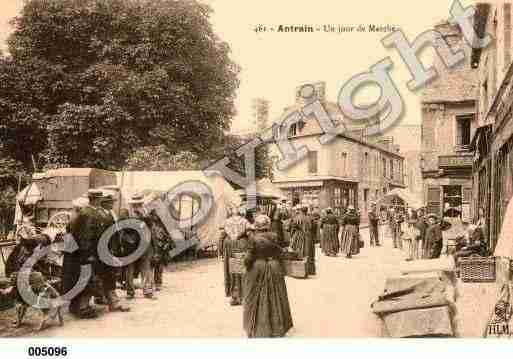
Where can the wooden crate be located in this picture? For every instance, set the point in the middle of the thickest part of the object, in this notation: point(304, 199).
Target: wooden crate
point(420, 323)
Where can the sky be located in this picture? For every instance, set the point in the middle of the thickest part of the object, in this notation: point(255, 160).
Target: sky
point(273, 64)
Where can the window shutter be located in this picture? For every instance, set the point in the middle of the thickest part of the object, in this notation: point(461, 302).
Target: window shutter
point(433, 205)
point(312, 162)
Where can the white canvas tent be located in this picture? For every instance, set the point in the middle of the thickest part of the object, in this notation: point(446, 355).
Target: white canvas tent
point(408, 198)
point(152, 182)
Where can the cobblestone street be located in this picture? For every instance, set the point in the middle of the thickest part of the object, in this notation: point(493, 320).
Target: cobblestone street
point(335, 303)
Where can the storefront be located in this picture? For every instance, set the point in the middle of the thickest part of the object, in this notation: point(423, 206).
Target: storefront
point(325, 193)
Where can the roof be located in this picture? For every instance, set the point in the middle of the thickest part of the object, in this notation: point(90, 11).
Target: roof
point(68, 172)
point(265, 188)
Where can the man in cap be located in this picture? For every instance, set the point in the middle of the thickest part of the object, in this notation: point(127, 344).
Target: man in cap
point(144, 263)
point(86, 228)
point(434, 237)
point(422, 226)
point(373, 225)
point(107, 274)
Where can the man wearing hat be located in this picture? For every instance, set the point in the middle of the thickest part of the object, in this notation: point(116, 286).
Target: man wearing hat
point(434, 239)
point(86, 228)
point(373, 225)
point(107, 274)
point(138, 211)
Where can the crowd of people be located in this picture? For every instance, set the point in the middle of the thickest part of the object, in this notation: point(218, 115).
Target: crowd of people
point(89, 221)
point(262, 240)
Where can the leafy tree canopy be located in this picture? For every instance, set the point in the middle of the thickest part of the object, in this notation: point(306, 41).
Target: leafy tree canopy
point(86, 79)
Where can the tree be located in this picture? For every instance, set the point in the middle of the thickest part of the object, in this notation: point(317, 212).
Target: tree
point(89, 78)
point(158, 158)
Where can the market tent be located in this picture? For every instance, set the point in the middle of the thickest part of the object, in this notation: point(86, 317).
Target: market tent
point(153, 183)
point(30, 195)
point(406, 196)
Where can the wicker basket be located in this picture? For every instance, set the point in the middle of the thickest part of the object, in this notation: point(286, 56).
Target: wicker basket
point(477, 269)
point(295, 268)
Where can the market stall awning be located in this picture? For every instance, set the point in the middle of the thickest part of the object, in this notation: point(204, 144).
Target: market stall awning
point(406, 196)
point(265, 188)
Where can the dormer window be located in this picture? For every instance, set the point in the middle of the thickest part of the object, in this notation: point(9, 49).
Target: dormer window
point(293, 130)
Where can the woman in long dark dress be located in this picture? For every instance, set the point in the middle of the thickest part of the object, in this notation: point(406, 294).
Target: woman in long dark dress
point(329, 227)
point(349, 236)
point(266, 311)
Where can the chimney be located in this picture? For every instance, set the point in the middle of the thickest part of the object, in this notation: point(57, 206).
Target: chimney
point(310, 92)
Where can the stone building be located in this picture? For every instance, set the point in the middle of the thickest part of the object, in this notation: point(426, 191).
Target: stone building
point(448, 123)
point(347, 170)
point(492, 143)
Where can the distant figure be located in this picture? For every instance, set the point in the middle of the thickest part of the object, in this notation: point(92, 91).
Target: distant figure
point(302, 238)
point(373, 226)
point(266, 312)
point(434, 237)
point(421, 225)
point(235, 245)
point(330, 226)
point(349, 237)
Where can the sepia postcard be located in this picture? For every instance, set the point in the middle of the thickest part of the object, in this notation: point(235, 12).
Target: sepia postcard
point(254, 169)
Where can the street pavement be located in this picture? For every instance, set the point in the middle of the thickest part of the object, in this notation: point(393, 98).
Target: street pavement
point(335, 303)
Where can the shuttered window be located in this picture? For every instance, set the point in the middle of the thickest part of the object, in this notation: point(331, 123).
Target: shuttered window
point(433, 200)
point(312, 162)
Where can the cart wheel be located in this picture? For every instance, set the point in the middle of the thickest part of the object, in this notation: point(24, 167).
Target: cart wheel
point(59, 221)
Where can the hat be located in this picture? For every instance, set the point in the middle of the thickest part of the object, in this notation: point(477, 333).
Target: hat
point(283, 201)
point(350, 207)
point(136, 199)
point(262, 222)
point(94, 193)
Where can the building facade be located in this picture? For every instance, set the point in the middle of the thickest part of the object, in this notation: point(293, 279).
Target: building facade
point(492, 143)
point(347, 170)
point(448, 123)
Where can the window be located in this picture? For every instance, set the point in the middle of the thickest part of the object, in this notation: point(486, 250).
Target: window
point(312, 162)
point(366, 164)
point(463, 130)
point(365, 198)
point(391, 174)
point(343, 164)
point(293, 130)
point(337, 197)
point(384, 167)
point(433, 200)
